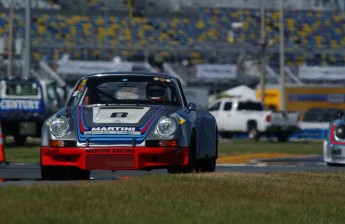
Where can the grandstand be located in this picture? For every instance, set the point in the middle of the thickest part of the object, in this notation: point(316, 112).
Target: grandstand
point(179, 35)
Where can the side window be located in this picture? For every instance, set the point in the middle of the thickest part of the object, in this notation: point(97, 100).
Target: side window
point(51, 92)
point(227, 106)
point(253, 106)
point(215, 107)
point(182, 93)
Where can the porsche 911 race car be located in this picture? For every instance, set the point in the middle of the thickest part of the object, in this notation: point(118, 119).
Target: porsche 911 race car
point(128, 121)
point(334, 144)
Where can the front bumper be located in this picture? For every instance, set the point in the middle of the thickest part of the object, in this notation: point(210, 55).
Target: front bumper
point(114, 158)
point(333, 154)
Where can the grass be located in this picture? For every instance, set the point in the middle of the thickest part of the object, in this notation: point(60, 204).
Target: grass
point(30, 153)
point(240, 146)
point(191, 198)
point(195, 198)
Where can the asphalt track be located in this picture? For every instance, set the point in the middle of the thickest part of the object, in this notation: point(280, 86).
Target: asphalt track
point(29, 174)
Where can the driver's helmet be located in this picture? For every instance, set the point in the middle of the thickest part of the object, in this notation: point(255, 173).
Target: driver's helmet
point(156, 91)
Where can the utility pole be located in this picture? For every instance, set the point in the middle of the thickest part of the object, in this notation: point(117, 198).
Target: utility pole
point(130, 8)
point(262, 55)
point(27, 49)
point(282, 57)
point(10, 43)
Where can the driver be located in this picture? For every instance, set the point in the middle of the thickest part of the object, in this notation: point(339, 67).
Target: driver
point(156, 91)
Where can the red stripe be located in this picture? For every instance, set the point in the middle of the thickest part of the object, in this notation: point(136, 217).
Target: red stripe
point(152, 119)
point(332, 138)
point(82, 129)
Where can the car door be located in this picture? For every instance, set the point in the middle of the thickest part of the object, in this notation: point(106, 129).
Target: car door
point(224, 116)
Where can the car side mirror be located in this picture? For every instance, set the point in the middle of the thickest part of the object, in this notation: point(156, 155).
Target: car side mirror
point(340, 114)
point(191, 107)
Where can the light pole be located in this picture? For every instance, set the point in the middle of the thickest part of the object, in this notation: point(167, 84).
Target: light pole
point(10, 43)
point(27, 49)
point(262, 55)
point(282, 57)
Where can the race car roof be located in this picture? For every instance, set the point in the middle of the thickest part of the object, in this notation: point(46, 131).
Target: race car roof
point(107, 74)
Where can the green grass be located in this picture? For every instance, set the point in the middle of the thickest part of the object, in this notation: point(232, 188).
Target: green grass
point(195, 198)
point(30, 153)
point(238, 146)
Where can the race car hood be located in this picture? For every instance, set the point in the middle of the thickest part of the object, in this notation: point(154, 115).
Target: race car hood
point(110, 123)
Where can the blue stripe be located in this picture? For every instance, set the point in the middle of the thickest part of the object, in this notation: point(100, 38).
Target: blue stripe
point(111, 138)
point(308, 97)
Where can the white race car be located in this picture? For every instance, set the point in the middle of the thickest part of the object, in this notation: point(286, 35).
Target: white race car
point(128, 121)
point(334, 145)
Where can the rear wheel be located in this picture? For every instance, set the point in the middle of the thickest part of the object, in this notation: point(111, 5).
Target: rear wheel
point(253, 132)
point(283, 136)
point(63, 173)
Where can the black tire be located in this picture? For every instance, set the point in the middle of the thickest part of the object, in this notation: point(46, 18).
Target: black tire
point(192, 162)
point(64, 173)
point(283, 137)
point(226, 135)
point(209, 165)
point(335, 164)
point(253, 133)
point(175, 170)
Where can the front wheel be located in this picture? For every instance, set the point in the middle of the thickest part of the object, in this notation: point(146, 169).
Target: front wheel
point(192, 162)
point(63, 173)
point(208, 165)
point(335, 164)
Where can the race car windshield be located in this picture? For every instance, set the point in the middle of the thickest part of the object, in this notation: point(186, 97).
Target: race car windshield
point(129, 90)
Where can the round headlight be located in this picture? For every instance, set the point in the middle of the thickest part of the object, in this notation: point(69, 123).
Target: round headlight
point(166, 126)
point(59, 127)
point(340, 131)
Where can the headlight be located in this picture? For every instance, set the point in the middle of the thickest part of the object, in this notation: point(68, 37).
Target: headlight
point(340, 131)
point(59, 127)
point(166, 126)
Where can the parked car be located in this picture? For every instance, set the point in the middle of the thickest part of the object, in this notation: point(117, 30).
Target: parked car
point(25, 104)
point(128, 121)
point(318, 118)
point(234, 115)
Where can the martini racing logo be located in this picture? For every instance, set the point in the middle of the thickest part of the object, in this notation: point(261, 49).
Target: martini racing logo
point(113, 130)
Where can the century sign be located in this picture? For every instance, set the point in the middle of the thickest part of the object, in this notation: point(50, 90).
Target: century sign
point(19, 104)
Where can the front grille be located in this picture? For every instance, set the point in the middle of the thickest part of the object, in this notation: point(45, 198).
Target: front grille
point(152, 143)
point(104, 161)
point(70, 143)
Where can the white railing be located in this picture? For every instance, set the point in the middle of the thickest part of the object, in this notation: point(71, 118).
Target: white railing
point(45, 67)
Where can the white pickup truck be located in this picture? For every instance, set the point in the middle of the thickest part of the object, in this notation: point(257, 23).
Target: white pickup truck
point(238, 116)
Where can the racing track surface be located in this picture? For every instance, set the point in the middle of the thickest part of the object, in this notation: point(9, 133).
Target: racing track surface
point(28, 174)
